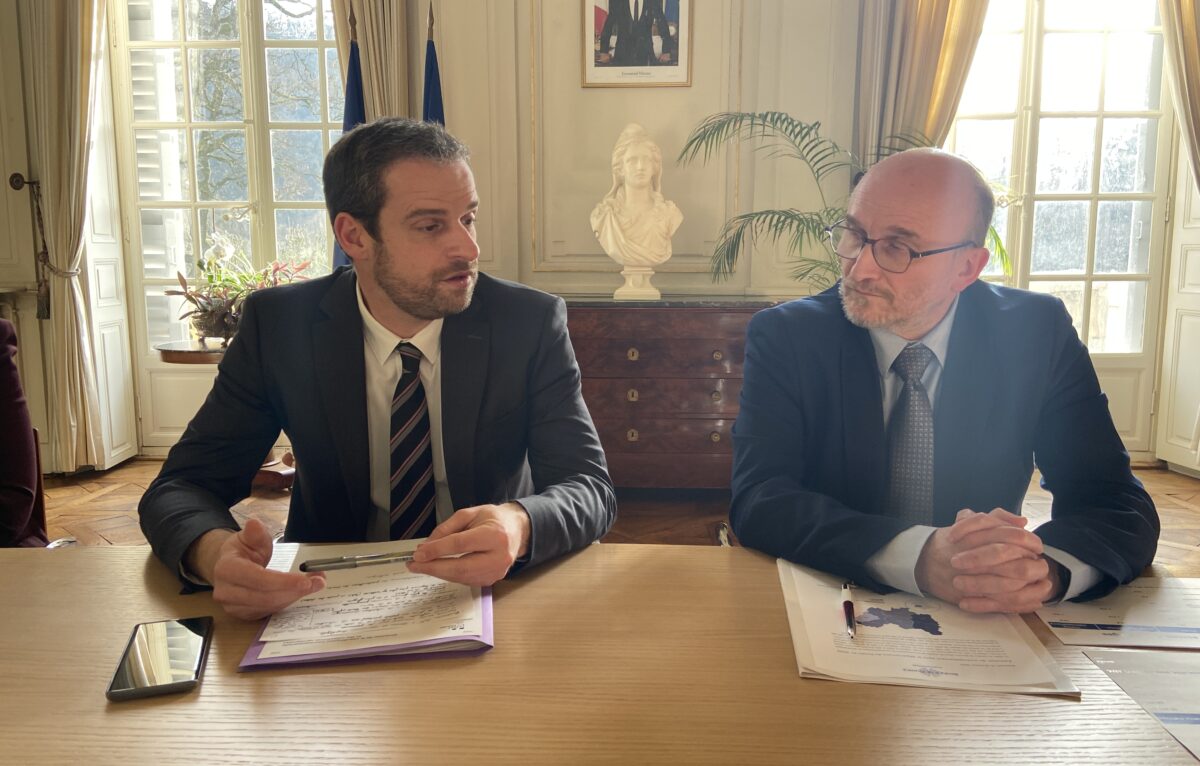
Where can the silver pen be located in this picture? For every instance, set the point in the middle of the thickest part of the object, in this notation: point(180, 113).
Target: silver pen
point(352, 562)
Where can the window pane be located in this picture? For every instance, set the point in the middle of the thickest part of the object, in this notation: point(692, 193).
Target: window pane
point(330, 33)
point(334, 135)
point(163, 324)
point(987, 144)
point(334, 86)
point(1078, 54)
point(221, 165)
point(153, 20)
point(167, 243)
point(293, 87)
point(156, 80)
point(1000, 224)
point(1059, 237)
point(162, 166)
point(216, 84)
point(1071, 294)
point(993, 88)
point(296, 159)
point(290, 19)
point(1004, 17)
point(1118, 317)
point(1127, 161)
point(225, 234)
point(1064, 147)
point(1109, 14)
point(302, 235)
point(1134, 75)
point(1123, 237)
point(212, 19)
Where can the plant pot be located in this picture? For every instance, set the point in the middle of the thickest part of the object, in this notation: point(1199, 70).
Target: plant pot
point(221, 323)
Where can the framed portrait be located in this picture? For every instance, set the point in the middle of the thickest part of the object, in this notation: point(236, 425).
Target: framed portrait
point(631, 43)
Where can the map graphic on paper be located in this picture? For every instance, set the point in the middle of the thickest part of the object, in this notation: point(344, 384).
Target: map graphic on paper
point(901, 617)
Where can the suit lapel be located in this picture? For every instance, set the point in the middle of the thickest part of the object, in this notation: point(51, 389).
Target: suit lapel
point(342, 384)
point(466, 343)
point(961, 414)
point(862, 418)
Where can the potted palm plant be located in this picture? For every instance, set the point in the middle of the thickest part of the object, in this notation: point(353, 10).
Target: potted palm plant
point(779, 135)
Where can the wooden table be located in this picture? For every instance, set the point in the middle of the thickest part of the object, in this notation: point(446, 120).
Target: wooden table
point(620, 654)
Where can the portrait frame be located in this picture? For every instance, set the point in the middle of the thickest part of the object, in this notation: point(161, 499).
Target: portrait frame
point(674, 72)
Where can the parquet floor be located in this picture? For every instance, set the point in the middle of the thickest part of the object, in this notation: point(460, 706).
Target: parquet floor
point(100, 508)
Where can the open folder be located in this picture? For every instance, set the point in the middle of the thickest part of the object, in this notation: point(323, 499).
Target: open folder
point(912, 641)
point(370, 612)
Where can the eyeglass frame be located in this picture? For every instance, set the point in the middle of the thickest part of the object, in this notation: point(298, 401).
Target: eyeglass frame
point(912, 254)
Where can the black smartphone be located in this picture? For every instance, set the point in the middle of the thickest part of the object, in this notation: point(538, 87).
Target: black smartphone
point(162, 658)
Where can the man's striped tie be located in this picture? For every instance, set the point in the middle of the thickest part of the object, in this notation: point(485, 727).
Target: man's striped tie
point(413, 511)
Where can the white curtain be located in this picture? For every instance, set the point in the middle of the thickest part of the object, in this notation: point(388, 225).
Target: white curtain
point(1181, 22)
point(381, 30)
point(914, 59)
point(63, 39)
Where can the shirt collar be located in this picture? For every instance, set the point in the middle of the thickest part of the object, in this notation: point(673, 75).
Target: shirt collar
point(382, 342)
point(888, 345)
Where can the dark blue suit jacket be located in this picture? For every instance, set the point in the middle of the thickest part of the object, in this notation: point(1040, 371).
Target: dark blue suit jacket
point(514, 425)
point(810, 462)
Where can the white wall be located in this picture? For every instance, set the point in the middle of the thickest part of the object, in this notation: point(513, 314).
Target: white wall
point(541, 143)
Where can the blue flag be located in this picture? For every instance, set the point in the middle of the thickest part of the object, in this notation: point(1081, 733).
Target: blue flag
point(355, 113)
point(432, 110)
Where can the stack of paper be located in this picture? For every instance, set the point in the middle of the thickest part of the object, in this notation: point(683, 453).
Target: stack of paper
point(1148, 612)
point(910, 641)
point(372, 611)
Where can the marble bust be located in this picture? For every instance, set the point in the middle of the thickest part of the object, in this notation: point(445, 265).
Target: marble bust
point(633, 222)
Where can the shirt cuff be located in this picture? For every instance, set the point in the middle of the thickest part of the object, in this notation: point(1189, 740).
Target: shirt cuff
point(1082, 577)
point(895, 564)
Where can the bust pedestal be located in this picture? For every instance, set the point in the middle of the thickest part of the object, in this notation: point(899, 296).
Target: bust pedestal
point(637, 285)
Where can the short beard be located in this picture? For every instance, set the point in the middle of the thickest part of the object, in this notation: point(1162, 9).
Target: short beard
point(422, 301)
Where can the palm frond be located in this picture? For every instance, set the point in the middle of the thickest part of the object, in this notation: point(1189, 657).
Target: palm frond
point(801, 231)
point(778, 134)
point(999, 251)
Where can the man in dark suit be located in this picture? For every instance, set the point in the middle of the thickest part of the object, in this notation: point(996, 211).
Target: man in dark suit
point(889, 426)
point(634, 22)
point(420, 397)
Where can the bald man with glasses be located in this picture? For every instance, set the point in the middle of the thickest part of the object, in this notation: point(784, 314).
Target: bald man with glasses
point(889, 426)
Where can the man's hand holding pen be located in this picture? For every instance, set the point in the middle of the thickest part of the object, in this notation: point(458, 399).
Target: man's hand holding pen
point(475, 546)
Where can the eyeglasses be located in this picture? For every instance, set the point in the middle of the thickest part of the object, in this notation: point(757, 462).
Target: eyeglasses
point(890, 253)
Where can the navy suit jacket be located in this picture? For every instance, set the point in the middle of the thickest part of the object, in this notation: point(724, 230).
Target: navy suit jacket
point(634, 46)
point(810, 457)
point(514, 425)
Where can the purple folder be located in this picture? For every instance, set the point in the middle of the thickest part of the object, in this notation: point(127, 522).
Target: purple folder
point(414, 650)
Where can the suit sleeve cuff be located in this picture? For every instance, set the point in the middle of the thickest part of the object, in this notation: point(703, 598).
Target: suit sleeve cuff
point(895, 564)
point(1081, 577)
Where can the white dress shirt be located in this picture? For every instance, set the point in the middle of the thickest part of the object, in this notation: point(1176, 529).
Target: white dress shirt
point(383, 368)
point(896, 563)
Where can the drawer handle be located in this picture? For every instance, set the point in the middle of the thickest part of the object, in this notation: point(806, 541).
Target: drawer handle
point(715, 396)
point(631, 435)
point(632, 394)
point(715, 436)
point(717, 356)
point(632, 354)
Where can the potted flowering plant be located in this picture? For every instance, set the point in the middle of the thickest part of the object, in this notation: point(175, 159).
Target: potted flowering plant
point(226, 279)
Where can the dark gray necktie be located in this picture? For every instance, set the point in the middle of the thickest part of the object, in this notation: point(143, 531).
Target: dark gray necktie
point(413, 494)
point(910, 441)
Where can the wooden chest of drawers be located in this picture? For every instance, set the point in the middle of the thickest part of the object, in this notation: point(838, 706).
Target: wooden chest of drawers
point(662, 382)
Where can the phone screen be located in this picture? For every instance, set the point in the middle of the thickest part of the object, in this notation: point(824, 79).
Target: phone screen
point(161, 658)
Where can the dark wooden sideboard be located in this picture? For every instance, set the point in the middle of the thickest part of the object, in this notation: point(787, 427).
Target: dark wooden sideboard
point(662, 380)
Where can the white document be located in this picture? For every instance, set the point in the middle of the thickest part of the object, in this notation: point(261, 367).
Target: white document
point(370, 606)
point(1150, 612)
point(911, 641)
point(1165, 684)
